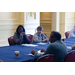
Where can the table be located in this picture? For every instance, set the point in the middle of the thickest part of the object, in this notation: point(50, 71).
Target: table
point(7, 52)
point(70, 42)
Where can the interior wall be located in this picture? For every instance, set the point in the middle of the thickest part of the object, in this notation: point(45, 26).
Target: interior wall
point(8, 27)
point(31, 22)
point(46, 22)
point(67, 21)
point(62, 24)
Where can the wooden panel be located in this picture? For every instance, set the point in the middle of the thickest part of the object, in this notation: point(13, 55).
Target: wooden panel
point(46, 28)
point(62, 29)
point(45, 21)
point(45, 15)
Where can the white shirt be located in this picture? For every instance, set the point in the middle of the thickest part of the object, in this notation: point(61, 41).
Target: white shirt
point(72, 33)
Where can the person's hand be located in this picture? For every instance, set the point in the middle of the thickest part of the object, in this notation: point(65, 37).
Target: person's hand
point(45, 40)
point(23, 33)
point(42, 50)
point(33, 52)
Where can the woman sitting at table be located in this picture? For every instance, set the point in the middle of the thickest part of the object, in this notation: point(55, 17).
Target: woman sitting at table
point(20, 37)
point(39, 36)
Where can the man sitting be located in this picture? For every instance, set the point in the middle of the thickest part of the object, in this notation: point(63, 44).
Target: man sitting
point(57, 47)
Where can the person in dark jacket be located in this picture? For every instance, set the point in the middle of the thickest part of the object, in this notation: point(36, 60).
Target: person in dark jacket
point(20, 37)
point(56, 47)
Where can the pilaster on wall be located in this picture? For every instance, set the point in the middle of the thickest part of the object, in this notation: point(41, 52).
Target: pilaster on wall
point(31, 23)
point(62, 24)
point(55, 21)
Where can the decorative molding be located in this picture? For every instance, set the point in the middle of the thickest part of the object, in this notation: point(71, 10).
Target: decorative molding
point(45, 19)
point(1, 24)
point(7, 16)
point(31, 23)
point(66, 23)
point(8, 26)
point(45, 22)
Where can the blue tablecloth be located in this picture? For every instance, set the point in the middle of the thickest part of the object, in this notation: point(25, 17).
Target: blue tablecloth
point(7, 52)
point(70, 42)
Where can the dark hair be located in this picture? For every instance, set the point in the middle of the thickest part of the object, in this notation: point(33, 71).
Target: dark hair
point(56, 34)
point(19, 27)
point(40, 28)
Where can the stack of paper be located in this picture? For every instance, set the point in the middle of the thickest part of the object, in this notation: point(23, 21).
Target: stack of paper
point(37, 52)
point(40, 52)
point(29, 45)
point(68, 47)
point(42, 43)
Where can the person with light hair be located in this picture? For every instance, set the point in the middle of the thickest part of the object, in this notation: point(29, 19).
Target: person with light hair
point(72, 33)
point(39, 36)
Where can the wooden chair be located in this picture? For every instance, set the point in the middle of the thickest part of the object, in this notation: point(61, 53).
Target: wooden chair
point(46, 58)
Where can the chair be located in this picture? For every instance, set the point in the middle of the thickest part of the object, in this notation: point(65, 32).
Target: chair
point(30, 37)
point(67, 34)
point(46, 58)
point(10, 40)
point(70, 56)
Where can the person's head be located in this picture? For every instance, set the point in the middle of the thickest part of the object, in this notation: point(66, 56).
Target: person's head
point(54, 36)
point(39, 29)
point(20, 29)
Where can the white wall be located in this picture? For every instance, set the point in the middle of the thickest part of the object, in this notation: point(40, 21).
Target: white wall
point(67, 21)
point(8, 26)
point(31, 25)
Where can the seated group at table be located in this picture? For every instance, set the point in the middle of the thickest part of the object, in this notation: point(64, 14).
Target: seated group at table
point(21, 38)
point(56, 47)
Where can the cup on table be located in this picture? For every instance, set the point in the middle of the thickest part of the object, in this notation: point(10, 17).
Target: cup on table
point(16, 54)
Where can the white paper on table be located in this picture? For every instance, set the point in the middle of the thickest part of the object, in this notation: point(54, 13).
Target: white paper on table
point(68, 47)
point(37, 52)
point(42, 43)
point(40, 52)
point(31, 54)
point(29, 45)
